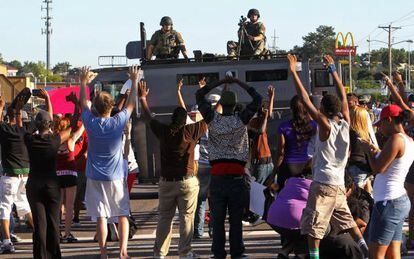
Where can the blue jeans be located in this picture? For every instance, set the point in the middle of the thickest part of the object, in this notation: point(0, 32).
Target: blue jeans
point(227, 193)
point(387, 220)
point(262, 171)
point(204, 179)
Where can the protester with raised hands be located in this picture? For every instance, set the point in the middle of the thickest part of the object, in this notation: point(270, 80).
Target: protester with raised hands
point(228, 154)
point(15, 163)
point(43, 187)
point(400, 99)
point(106, 191)
point(391, 165)
point(178, 185)
point(327, 201)
point(66, 165)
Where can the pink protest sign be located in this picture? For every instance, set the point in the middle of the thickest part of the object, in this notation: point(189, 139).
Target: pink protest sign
point(58, 99)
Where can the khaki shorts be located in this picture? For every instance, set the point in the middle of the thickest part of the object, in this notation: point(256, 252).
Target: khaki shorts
point(326, 205)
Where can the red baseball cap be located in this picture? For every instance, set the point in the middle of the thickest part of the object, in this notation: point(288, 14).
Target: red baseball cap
point(391, 110)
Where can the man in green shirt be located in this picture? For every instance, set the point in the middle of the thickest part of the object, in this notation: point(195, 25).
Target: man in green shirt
point(166, 43)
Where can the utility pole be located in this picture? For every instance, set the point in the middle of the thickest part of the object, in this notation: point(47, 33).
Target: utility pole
point(47, 30)
point(389, 29)
point(274, 41)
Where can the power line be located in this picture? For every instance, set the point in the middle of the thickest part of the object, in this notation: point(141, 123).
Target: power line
point(402, 17)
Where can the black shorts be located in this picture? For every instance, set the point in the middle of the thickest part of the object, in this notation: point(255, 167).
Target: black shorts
point(67, 181)
point(288, 170)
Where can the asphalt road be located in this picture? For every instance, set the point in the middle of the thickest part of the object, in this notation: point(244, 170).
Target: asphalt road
point(260, 241)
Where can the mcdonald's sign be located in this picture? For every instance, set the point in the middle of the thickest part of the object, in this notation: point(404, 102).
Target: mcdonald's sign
point(345, 45)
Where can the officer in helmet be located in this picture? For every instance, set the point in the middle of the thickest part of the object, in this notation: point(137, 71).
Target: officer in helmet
point(254, 39)
point(166, 43)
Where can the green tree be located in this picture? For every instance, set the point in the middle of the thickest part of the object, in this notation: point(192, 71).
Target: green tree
point(17, 64)
point(1, 59)
point(318, 43)
point(39, 70)
point(61, 68)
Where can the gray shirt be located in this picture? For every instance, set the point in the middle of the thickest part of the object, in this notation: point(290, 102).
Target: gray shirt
point(331, 156)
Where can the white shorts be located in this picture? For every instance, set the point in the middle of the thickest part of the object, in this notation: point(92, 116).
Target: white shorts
point(13, 190)
point(106, 199)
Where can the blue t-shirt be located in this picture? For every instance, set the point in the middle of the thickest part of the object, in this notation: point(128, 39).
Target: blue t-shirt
point(105, 161)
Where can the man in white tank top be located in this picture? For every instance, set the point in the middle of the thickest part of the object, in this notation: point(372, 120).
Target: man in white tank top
point(327, 201)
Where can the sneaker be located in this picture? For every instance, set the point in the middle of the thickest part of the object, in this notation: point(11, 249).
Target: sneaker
point(69, 239)
point(257, 222)
point(14, 238)
point(7, 249)
point(246, 223)
point(158, 257)
point(190, 255)
point(242, 256)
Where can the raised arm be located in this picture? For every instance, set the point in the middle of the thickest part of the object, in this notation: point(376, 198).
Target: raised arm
point(271, 95)
point(400, 84)
point(44, 95)
point(394, 93)
point(253, 106)
point(339, 87)
point(133, 75)
point(85, 77)
point(2, 104)
point(321, 119)
point(203, 105)
point(122, 100)
point(181, 102)
point(76, 131)
point(143, 92)
point(18, 110)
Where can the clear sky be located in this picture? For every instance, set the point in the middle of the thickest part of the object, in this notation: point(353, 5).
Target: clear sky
point(86, 29)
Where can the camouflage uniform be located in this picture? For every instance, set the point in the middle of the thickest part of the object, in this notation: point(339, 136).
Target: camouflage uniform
point(252, 29)
point(167, 44)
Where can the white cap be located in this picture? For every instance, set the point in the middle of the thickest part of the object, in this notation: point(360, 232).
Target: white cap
point(214, 98)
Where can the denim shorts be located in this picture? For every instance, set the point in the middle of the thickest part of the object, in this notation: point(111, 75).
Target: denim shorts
point(387, 220)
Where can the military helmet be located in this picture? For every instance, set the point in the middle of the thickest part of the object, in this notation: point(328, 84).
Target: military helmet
point(166, 20)
point(253, 12)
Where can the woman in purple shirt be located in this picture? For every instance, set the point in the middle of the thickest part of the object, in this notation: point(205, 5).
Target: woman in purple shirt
point(286, 211)
point(293, 138)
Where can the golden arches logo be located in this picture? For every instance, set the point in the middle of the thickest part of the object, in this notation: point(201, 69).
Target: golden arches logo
point(345, 45)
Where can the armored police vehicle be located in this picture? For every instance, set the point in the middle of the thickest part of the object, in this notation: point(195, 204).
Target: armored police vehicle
point(162, 77)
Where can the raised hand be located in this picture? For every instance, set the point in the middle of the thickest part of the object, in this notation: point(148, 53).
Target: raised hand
point(292, 62)
point(270, 92)
point(328, 60)
point(180, 85)
point(43, 94)
point(133, 73)
point(19, 103)
point(387, 80)
point(85, 75)
point(202, 82)
point(397, 77)
point(143, 90)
